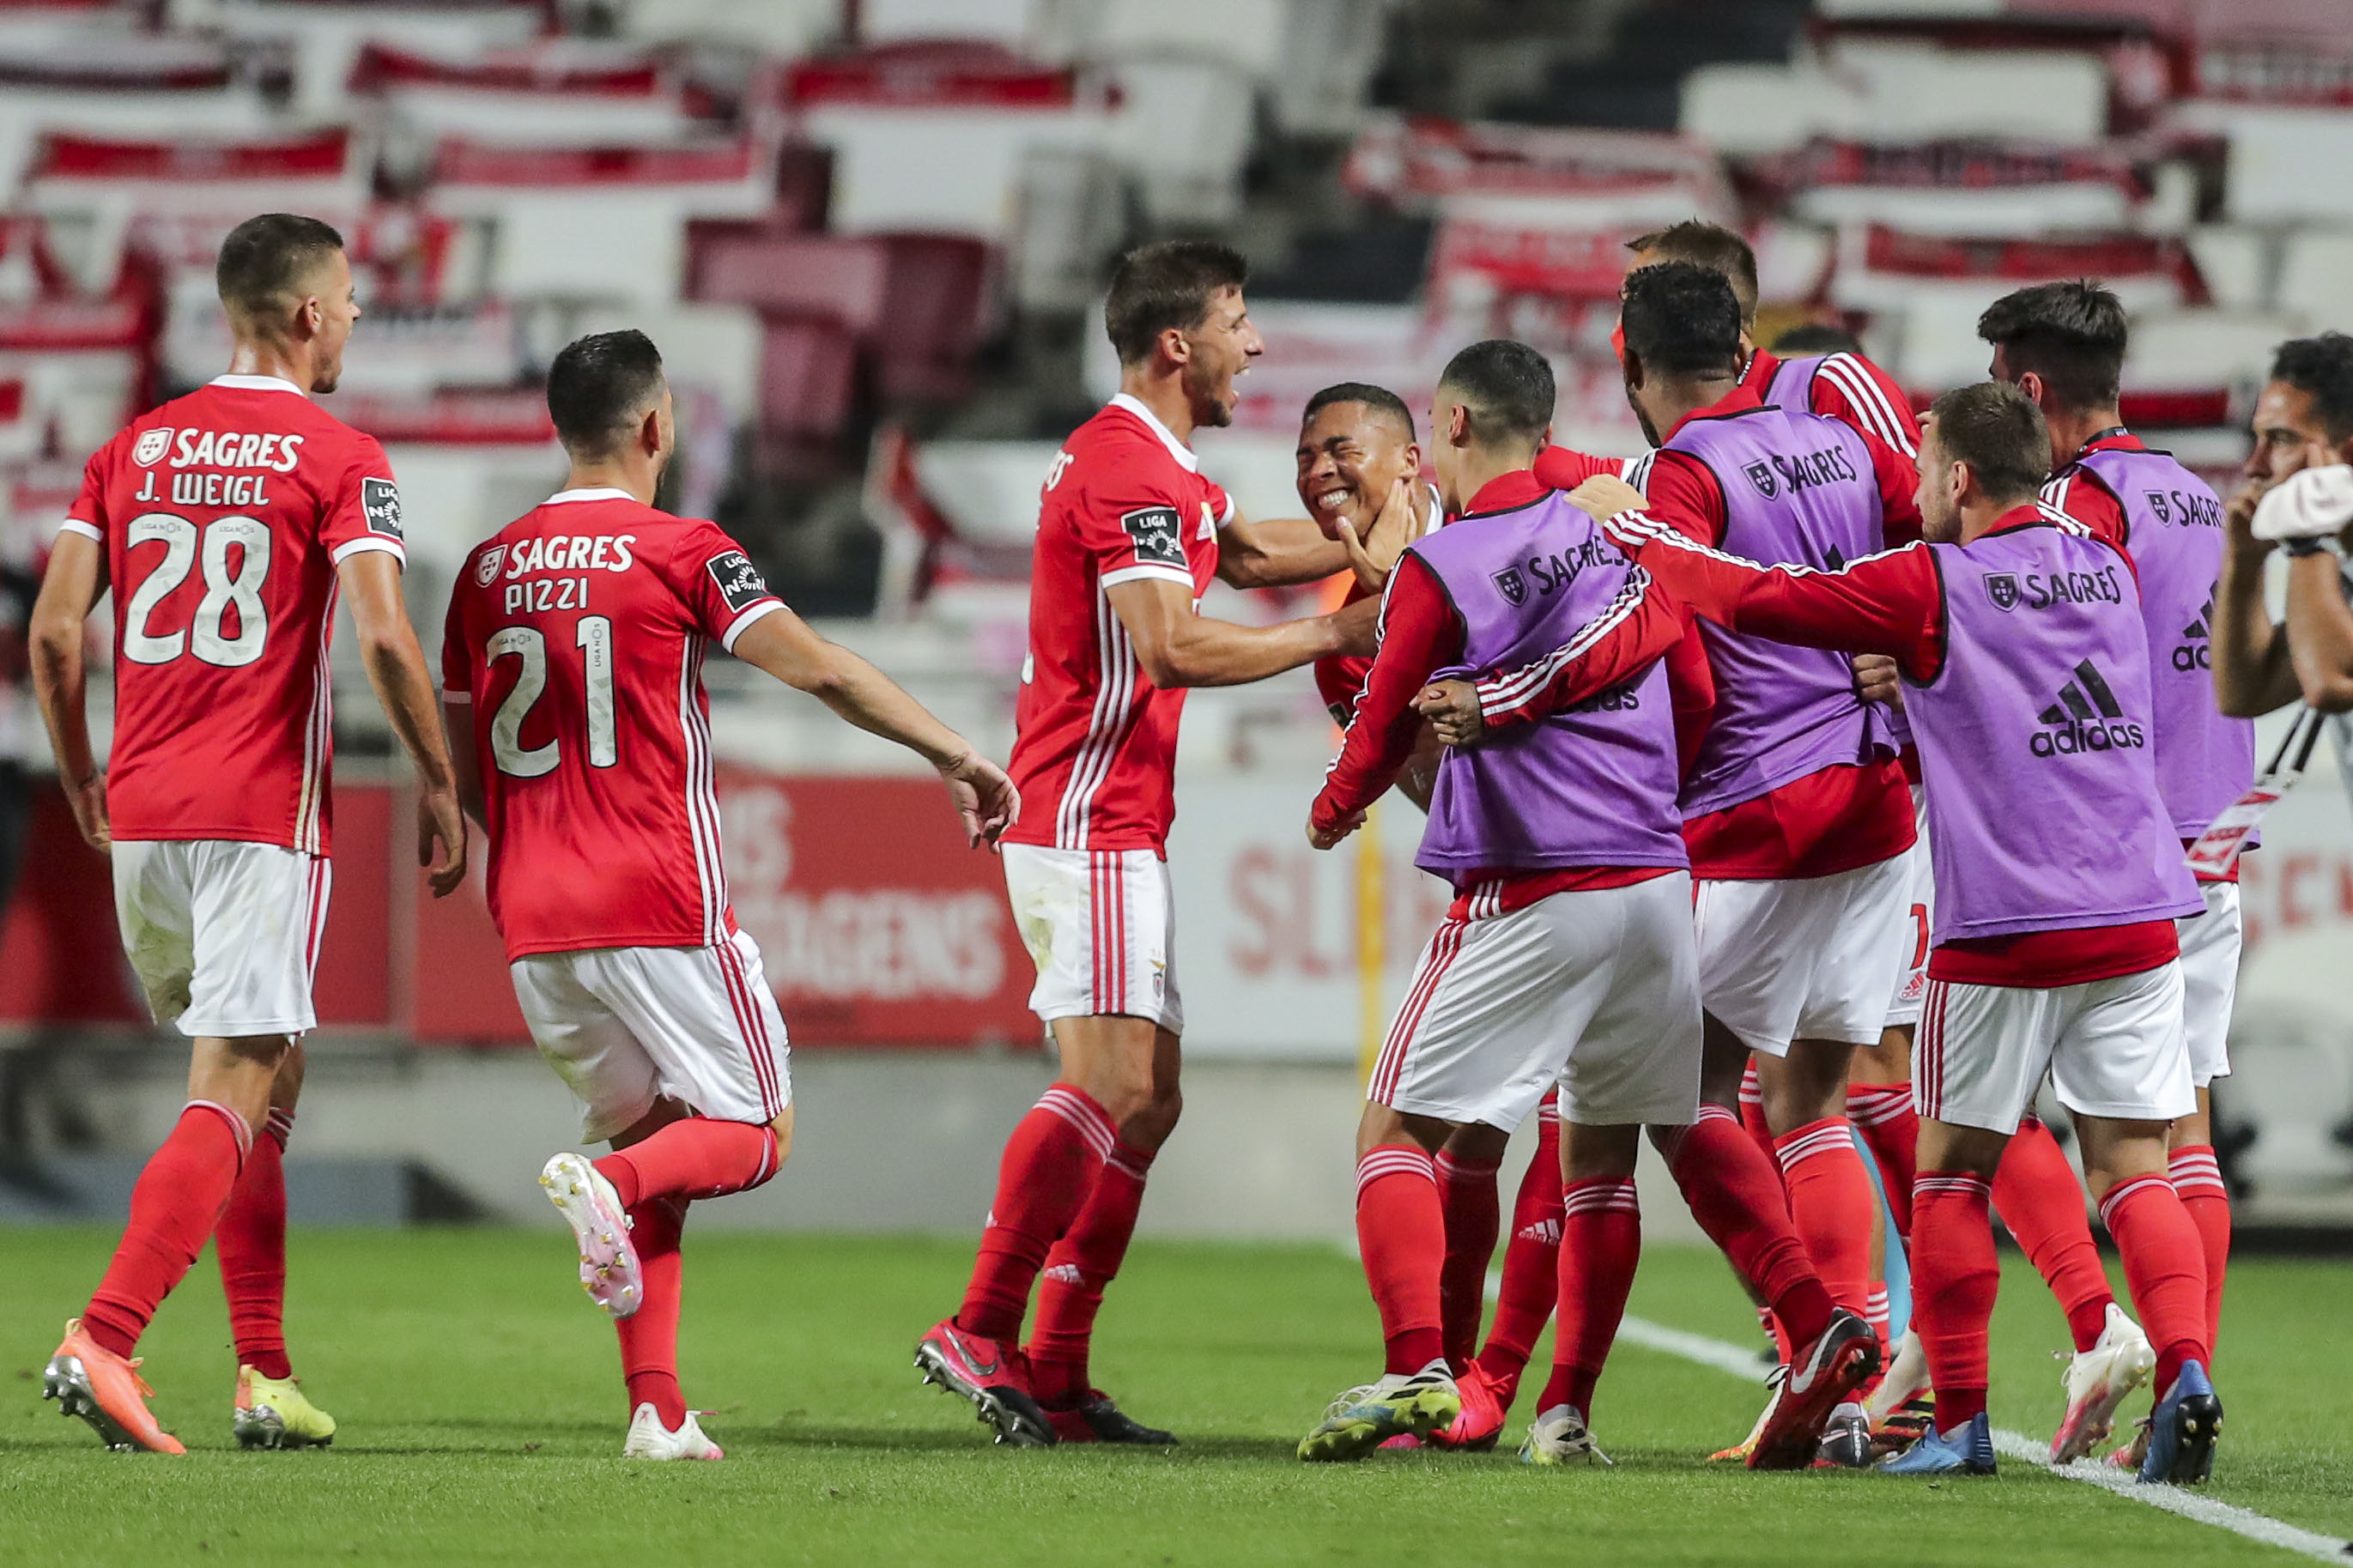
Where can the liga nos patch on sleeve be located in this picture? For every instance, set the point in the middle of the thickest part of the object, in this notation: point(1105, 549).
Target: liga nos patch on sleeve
point(739, 581)
point(1157, 534)
point(380, 504)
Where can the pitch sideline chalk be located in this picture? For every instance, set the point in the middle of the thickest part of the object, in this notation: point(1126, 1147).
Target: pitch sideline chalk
point(1742, 1364)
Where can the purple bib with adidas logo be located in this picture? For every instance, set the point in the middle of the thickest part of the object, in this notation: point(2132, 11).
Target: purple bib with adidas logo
point(2173, 527)
point(1799, 490)
point(1591, 786)
point(2036, 745)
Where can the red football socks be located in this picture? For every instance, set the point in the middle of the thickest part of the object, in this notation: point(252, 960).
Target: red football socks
point(2042, 1205)
point(1752, 1109)
point(1883, 1114)
point(1472, 1209)
point(1830, 1203)
point(650, 1334)
point(1530, 1282)
point(1954, 1276)
point(1049, 1168)
point(1401, 1236)
point(2198, 1178)
point(1736, 1195)
point(1601, 1242)
point(2164, 1265)
point(1070, 1291)
point(175, 1206)
point(251, 1245)
point(696, 1158)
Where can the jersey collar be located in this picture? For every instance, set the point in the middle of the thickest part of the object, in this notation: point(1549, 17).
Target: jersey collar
point(258, 384)
point(595, 492)
point(1177, 449)
point(2115, 439)
point(1762, 363)
point(1741, 399)
point(1507, 492)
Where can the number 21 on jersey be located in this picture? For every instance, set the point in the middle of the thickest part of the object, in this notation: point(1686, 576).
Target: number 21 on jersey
point(528, 644)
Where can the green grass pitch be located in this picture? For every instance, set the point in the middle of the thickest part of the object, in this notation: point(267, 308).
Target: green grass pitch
point(481, 1413)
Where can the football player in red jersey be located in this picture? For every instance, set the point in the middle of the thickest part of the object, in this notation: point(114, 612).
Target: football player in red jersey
point(1129, 535)
point(572, 666)
point(228, 522)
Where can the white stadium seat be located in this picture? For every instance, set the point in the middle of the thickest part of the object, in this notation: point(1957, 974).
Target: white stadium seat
point(2317, 278)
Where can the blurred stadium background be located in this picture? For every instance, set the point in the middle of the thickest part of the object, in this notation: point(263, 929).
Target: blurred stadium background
point(869, 236)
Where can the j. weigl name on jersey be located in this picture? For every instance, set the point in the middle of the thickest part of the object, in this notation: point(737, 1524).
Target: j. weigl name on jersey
point(531, 568)
point(215, 467)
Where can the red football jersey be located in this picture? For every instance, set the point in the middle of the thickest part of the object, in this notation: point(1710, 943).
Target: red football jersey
point(577, 632)
point(1095, 747)
point(224, 515)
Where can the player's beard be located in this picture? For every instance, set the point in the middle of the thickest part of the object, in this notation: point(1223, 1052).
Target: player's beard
point(1208, 393)
point(1649, 431)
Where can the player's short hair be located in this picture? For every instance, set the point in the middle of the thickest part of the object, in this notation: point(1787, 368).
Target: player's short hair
point(1507, 389)
point(2071, 334)
point(1379, 399)
point(1708, 245)
point(265, 259)
point(1999, 433)
point(2322, 367)
point(599, 385)
point(1816, 338)
point(1682, 319)
point(1170, 284)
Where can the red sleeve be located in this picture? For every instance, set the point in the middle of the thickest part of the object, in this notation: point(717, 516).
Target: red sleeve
point(1559, 469)
point(1888, 604)
point(1683, 494)
point(723, 590)
point(1633, 632)
point(363, 505)
point(1132, 516)
point(1899, 490)
point(1421, 634)
point(2089, 502)
point(1853, 390)
point(1691, 691)
point(87, 516)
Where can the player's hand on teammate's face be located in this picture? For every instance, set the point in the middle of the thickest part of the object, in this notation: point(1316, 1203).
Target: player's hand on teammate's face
point(1452, 708)
point(1876, 680)
point(984, 799)
point(1326, 837)
point(89, 802)
point(441, 821)
point(1604, 496)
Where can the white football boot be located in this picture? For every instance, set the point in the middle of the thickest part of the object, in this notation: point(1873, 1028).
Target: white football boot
point(649, 1439)
point(1559, 1436)
point(609, 1259)
point(2096, 1382)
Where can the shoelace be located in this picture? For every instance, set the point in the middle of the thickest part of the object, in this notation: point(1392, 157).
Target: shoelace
point(137, 1381)
point(1350, 1400)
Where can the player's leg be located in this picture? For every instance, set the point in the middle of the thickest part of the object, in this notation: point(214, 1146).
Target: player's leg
point(2122, 1069)
point(660, 1424)
point(1530, 1285)
point(1601, 1243)
point(1083, 1264)
point(1879, 1103)
point(271, 1409)
point(1468, 1167)
point(2210, 944)
point(1821, 1167)
point(218, 935)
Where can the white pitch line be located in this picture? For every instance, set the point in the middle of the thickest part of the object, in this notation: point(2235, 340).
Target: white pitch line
point(1742, 1364)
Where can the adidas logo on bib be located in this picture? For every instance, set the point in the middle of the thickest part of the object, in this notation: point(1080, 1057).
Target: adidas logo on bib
point(2086, 718)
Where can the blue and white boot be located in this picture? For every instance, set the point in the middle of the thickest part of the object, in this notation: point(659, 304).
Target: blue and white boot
point(2182, 1430)
point(1961, 1451)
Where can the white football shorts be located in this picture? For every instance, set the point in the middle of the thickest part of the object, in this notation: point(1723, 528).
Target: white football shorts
point(2210, 981)
point(1812, 958)
point(2112, 1047)
point(1101, 925)
point(1912, 977)
point(625, 1026)
point(1596, 993)
point(223, 934)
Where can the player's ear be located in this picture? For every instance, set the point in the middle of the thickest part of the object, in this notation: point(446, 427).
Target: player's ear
point(2031, 384)
point(1174, 346)
point(649, 432)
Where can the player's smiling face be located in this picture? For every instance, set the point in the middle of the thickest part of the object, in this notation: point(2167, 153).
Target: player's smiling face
point(1218, 351)
point(1349, 456)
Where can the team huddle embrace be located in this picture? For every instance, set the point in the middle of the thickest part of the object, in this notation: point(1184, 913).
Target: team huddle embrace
point(1814, 788)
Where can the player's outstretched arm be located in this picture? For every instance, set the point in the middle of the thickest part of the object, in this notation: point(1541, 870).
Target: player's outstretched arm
point(1179, 646)
point(404, 689)
point(782, 644)
point(1277, 555)
point(466, 761)
point(77, 576)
